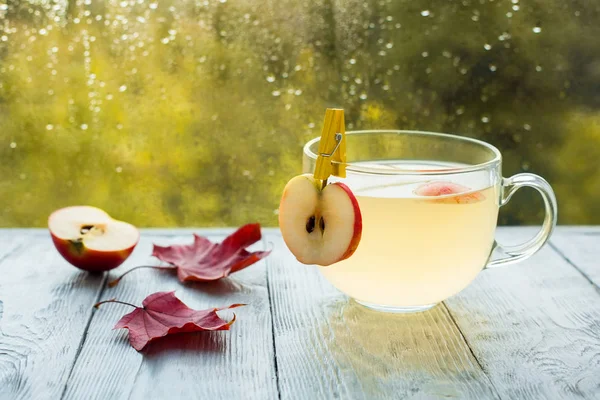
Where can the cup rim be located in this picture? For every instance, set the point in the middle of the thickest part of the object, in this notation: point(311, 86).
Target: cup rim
point(495, 161)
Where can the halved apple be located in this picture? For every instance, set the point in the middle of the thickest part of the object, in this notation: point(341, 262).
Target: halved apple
point(90, 239)
point(449, 192)
point(319, 226)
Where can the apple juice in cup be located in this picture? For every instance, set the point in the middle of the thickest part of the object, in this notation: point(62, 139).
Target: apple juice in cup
point(411, 223)
point(421, 242)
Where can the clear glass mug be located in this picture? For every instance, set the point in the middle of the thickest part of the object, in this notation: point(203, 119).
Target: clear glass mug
point(429, 204)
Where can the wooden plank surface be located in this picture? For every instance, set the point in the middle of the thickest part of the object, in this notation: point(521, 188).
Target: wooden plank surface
point(534, 327)
point(44, 310)
point(328, 347)
point(582, 249)
point(232, 364)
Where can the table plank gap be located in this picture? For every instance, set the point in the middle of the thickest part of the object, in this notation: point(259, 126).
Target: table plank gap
point(85, 332)
point(226, 364)
point(582, 251)
point(464, 338)
point(330, 347)
point(272, 312)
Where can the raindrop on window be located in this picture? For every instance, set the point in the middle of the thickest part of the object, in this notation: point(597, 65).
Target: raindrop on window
point(270, 79)
point(49, 127)
point(122, 88)
point(537, 29)
point(487, 46)
point(363, 96)
point(538, 68)
point(84, 127)
point(515, 8)
point(425, 13)
point(119, 170)
point(527, 127)
point(425, 54)
point(276, 93)
point(492, 67)
point(485, 120)
point(13, 145)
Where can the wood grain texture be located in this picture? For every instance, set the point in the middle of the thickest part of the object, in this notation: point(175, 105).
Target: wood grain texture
point(230, 364)
point(582, 249)
point(534, 327)
point(328, 347)
point(44, 310)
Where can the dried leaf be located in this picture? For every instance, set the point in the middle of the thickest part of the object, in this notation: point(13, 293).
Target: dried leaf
point(204, 260)
point(164, 314)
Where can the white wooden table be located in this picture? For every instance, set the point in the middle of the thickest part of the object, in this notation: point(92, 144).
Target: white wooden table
point(528, 331)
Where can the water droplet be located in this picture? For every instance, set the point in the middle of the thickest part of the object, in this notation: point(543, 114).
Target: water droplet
point(389, 45)
point(460, 111)
point(122, 88)
point(475, 18)
point(119, 126)
point(141, 20)
point(164, 40)
point(223, 1)
point(382, 53)
point(172, 32)
point(515, 1)
point(425, 13)
point(487, 46)
point(509, 15)
point(153, 6)
point(536, 29)
point(515, 8)
point(485, 120)
point(109, 96)
point(84, 127)
point(425, 54)
point(119, 170)
point(49, 127)
point(43, 32)
point(276, 93)
point(311, 125)
point(527, 127)
point(270, 79)
point(538, 68)
point(363, 96)
point(298, 92)
point(352, 61)
point(493, 68)
point(13, 145)
point(358, 81)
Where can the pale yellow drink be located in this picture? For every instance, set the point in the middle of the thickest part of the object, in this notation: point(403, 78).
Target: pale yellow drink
point(415, 250)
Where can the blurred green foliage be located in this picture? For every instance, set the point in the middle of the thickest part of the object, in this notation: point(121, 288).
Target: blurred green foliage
point(193, 113)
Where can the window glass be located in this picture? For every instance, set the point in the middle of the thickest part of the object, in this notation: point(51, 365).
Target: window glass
point(194, 113)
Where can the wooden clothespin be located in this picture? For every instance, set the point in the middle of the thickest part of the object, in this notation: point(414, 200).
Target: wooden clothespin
point(332, 147)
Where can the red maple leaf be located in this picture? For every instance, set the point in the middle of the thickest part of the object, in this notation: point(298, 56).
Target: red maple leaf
point(204, 260)
point(164, 314)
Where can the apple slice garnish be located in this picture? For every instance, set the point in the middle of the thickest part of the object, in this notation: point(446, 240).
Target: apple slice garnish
point(319, 226)
point(449, 192)
point(90, 239)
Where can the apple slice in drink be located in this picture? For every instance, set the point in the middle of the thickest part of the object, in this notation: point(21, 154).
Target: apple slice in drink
point(450, 191)
point(90, 239)
point(319, 226)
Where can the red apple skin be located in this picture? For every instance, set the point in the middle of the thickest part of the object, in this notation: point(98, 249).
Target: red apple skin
point(90, 260)
point(357, 223)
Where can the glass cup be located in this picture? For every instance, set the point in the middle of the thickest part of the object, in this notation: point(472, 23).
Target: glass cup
point(429, 205)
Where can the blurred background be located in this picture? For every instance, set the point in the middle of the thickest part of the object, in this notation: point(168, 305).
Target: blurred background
point(194, 112)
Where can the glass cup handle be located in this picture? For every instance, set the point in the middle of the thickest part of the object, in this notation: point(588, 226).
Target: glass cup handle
point(516, 253)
